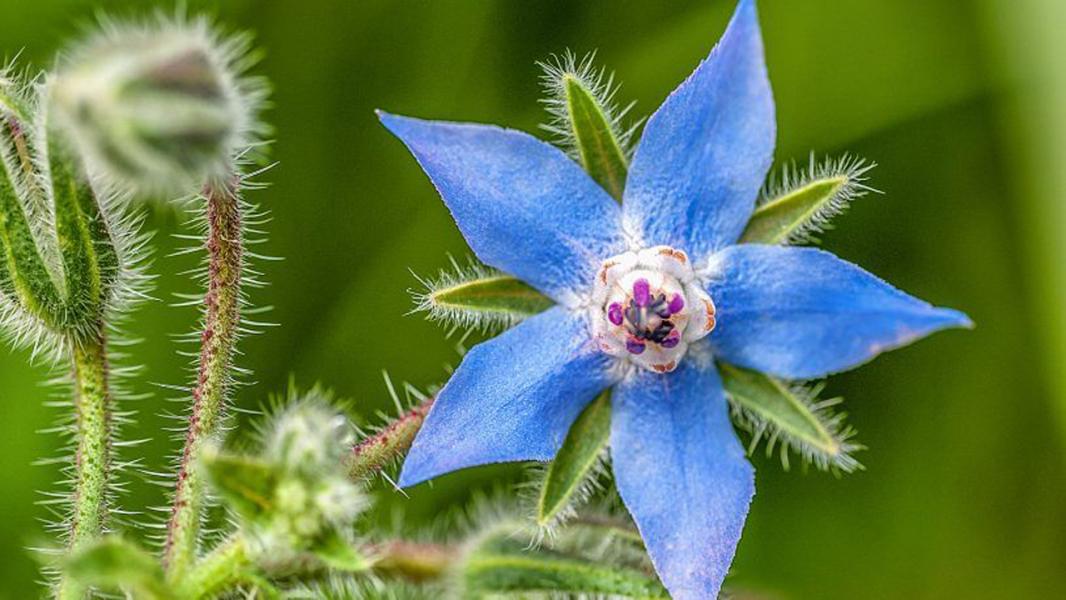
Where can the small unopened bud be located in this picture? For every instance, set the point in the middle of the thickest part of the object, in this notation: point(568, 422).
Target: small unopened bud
point(157, 109)
point(309, 436)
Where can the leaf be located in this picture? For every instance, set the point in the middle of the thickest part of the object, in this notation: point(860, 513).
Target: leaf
point(541, 571)
point(338, 553)
point(477, 297)
point(791, 416)
point(584, 120)
point(573, 471)
point(801, 203)
point(112, 562)
point(245, 483)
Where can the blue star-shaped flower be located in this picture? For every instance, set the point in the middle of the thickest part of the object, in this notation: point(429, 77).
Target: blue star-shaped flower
point(650, 294)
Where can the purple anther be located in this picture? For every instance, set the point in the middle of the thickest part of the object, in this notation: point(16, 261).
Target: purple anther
point(635, 346)
point(671, 340)
point(677, 304)
point(641, 292)
point(614, 313)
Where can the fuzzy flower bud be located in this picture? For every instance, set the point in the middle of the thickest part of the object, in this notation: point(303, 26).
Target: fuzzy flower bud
point(295, 497)
point(157, 108)
point(309, 436)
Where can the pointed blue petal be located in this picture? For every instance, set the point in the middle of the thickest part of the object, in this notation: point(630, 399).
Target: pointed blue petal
point(682, 474)
point(802, 313)
point(512, 398)
point(705, 153)
point(523, 206)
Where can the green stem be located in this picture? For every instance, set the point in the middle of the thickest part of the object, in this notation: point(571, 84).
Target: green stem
point(92, 462)
point(218, 338)
point(223, 568)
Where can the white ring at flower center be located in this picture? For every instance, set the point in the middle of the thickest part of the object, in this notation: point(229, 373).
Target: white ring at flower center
point(669, 275)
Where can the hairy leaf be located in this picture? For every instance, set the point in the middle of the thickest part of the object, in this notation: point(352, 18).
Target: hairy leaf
point(802, 203)
point(574, 469)
point(790, 415)
point(246, 484)
point(534, 571)
point(112, 562)
point(478, 297)
point(338, 553)
point(584, 120)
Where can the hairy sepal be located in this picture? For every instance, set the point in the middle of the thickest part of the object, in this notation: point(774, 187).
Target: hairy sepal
point(584, 120)
point(791, 418)
point(576, 471)
point(477, 297)
point(799, 203)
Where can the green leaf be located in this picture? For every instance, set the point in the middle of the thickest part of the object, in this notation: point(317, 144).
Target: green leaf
point(598, 147)
point(338, 553)
point(585, 121)
point(574, 468)
point(245, 483)
point(479, 298)
point(114, 563)
point(792, 416)
point(543, 571)
point(801, 203)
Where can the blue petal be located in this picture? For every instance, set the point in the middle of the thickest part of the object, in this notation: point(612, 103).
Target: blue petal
point(682, 474)
point(802, 313)
point(512, 398)
point(705, 153)
point(523, 206)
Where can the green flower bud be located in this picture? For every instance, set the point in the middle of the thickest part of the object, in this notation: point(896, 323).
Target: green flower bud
point(68, 252)
point(158, 108)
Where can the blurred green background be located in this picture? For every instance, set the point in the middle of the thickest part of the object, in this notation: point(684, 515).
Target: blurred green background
point(963, 105)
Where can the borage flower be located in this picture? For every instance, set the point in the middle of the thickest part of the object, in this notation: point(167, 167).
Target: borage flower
point(649, 294)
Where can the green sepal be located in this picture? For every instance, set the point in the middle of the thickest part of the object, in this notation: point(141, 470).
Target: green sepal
point(479, 298)
point(114, 563)
point(598, 147)
point(90, 264)
point(575, 463)
point(338, 553)
point(791, 417)
point(505, 566)
point(803, 202)
point(247, 484)
point(24, 277)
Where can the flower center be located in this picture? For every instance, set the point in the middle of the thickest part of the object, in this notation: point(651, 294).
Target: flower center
point(648, 306)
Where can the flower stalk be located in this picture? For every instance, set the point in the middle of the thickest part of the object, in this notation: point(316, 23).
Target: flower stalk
point(393, 441)
point(93, 459)
point(219, 335)
point(224, 567)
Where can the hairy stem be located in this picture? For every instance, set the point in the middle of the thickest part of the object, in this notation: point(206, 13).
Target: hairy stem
point(92, 462)
point(218, 338)
point(224, 567)
point(393, 441)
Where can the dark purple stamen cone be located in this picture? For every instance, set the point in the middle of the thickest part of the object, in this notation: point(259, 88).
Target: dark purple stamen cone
point(672, 340)
point(635, 346)
point(641, 292)
point(677, 304)
point(614, 313)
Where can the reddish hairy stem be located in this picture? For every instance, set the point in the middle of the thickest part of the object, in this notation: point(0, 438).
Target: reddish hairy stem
point(218, 338)
point(393, 441)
